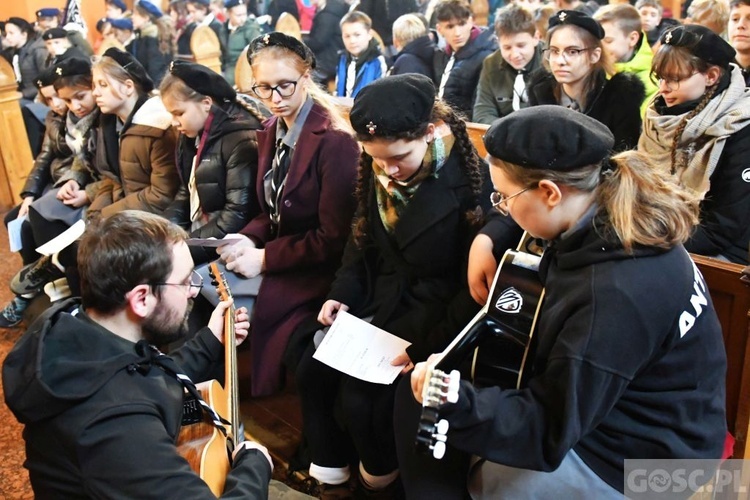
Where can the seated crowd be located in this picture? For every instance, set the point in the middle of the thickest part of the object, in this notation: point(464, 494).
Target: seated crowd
point(344, 180)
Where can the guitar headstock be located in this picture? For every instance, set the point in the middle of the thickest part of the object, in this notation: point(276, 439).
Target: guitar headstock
point(440, 388)
point(219, 281)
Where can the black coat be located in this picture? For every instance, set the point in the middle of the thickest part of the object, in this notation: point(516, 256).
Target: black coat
point(416, 57)
point(225, 177)
point(615, 102)
point(414, 280)
point(325, 37)
point(461, 88)
point(145, 48)
point(54, 159)
point(384, 12)
point(101, 421)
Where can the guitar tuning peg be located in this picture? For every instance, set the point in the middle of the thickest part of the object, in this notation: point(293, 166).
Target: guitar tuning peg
point(438, 451)
point(442, 427)
point(454, 383)
point(214, 282)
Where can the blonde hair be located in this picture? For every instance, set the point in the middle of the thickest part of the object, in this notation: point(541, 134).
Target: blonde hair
point(624, 16)
point(408, 28)
point(115, 72)
point(643, 205)
point(276, 52)
point(713, 14)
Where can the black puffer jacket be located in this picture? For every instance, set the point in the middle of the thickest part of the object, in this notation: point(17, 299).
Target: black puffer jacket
point(54, 159)
point(416, 57)
point(615, 102)
point(225, 176)
point(461, 88)
point(325, 37)
point(145, 48)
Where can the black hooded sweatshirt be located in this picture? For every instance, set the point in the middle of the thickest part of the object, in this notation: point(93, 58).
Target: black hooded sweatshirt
point(101, 419)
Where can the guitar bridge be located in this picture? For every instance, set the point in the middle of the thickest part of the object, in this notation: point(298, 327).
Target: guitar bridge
point(192, 413)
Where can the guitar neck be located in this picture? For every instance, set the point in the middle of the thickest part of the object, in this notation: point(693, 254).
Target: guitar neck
point(231, 385)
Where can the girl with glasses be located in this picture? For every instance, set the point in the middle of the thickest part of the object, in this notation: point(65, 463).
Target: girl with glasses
point(307, 163)
point(577, 77)
point(696, 130)
point(626, 364)
point(217, 153)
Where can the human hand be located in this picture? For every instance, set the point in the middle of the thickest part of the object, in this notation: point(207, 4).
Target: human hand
point(404, 360)
point(67, 190)
point(482, 268)
point(252, 445)
point(241, 324)
point(228, 250)
point(78, 199)
point(247, 261)
point(419, 374)
point(24, 208)
point(328, 312)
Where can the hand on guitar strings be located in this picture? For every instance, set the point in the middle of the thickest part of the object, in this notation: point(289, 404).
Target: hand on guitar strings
point(241, 321)
point(403, 359)
point(482, 268)
point(252, 445)
point(419, 376)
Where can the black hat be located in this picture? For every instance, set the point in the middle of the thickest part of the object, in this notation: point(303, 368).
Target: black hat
point(393, 105)
point(21, 23)
point(203, 80)
point(151, 8)
point(124, 23)
point(54, 33)
point(46, 77)
point(72, 66)
point(47, 12)
point(578, 19)
point(701, 42)
point(228, 4)
point(134, 68)
point(119, 4)
point(278, 39)
point(549, 137)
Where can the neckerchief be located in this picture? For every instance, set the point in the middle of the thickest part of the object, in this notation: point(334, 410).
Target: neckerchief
point(393, 196)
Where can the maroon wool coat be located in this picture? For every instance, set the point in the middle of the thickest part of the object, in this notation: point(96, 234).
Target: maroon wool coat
point(317, 207)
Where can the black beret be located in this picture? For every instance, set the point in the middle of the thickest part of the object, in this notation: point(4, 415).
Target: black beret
point(278, 39)
point(121, 24)
point(203, 80)
point(549, 137)
point(393, 105)
point(54, 33)
point(134, 68)
point(577, 19)
point(73, 66)
point(151, 8)
point(46, 77)
point(701, 42)
point(48, 12)
point(23, 24)
point(119, 4)
point(228, 4)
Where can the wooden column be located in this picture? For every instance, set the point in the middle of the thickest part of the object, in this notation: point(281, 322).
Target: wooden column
point(15, 153)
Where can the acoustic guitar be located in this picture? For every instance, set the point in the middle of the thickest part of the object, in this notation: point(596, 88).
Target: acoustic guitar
point(500, 336)
point(203, 445)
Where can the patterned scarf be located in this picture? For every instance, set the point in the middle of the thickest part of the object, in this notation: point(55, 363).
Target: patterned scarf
point(704, 137)
point(393, 196)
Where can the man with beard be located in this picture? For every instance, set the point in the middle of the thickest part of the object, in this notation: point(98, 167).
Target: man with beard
point(101, 405)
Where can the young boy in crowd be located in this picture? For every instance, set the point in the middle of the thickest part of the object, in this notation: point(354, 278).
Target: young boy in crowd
point(652, 22)
point(713, 14)
point(458, 67)
point(362, 62)
point(738, 31)
point(59, 46)
point(626, 44)
point(502, 82)
point(414, 45)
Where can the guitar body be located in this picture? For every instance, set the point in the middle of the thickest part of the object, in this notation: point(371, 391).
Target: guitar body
point(203, 445)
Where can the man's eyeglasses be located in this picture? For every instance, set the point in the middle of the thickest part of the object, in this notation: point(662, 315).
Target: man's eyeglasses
point(284, 89)
point(195, 281)
point(498, 200)
point(568, 53)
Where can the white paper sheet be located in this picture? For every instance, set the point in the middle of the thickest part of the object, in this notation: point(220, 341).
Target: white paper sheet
point(211, 242)
point(63, 240)
point(14, 233)
point(361, 350)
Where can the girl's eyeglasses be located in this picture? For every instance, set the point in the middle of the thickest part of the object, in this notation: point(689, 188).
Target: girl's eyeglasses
point(498, 200)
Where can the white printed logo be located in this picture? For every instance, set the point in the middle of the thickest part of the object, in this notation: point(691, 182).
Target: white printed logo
point(746, 175)
point(510, 301)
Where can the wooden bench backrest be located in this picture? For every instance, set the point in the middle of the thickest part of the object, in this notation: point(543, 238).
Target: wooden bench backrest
point(289, 25)
point(206, 49)
point(243, 74)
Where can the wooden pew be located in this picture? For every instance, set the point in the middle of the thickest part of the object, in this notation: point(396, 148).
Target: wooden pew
point(15, 153)
point(289, 25)
point(243, 74)
point(206, 48)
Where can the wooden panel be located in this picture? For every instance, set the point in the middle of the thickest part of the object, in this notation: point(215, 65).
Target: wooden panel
point(289, 25)
point(243, 73)
point(205, 46)
point(731, 298)
point(15, 154)
point(476, 134)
